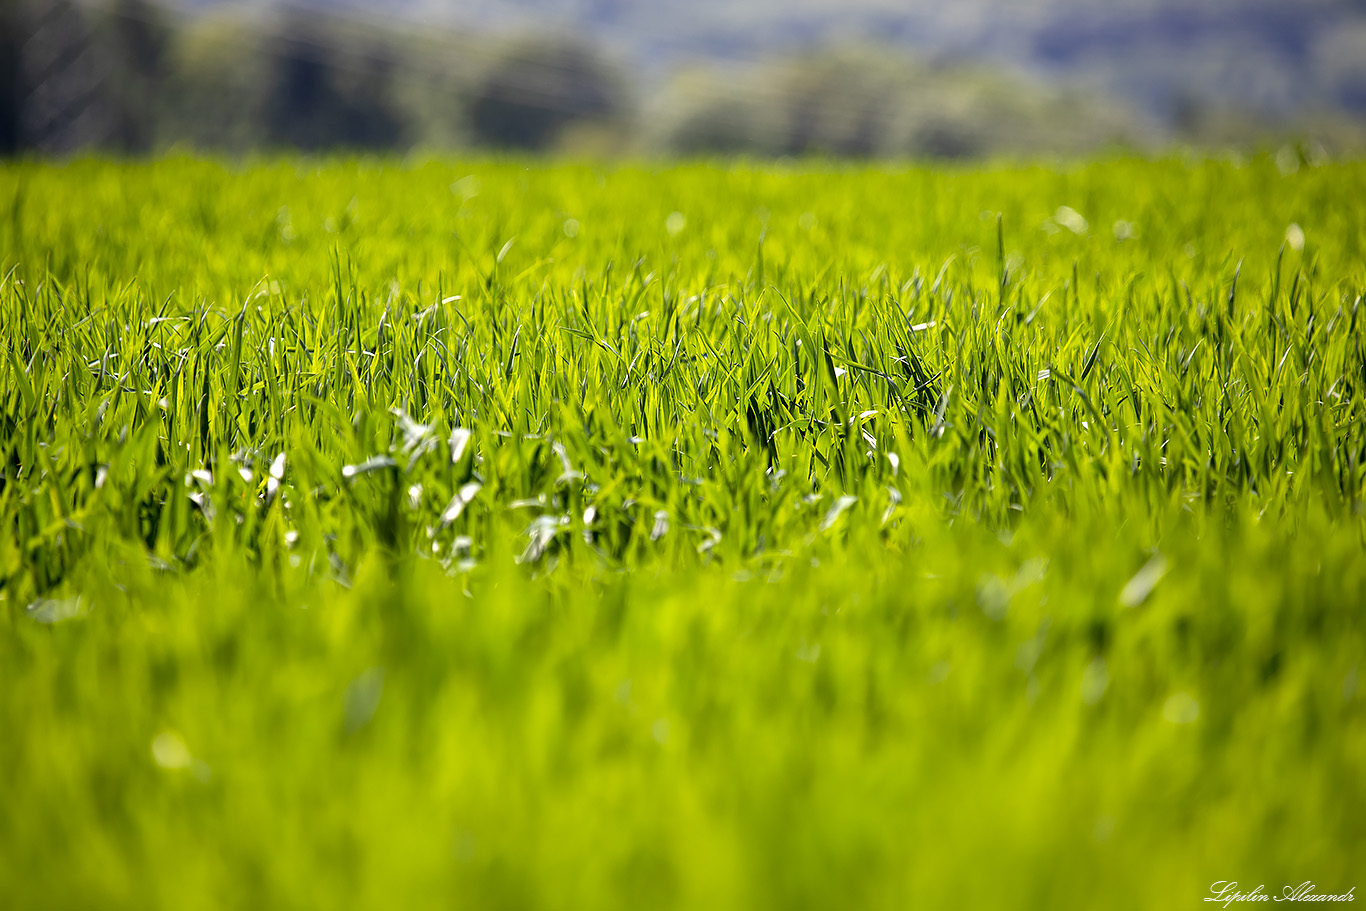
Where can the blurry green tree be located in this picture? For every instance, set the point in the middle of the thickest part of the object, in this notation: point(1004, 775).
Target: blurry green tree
point(537, 87)
point(10, 97)
point(323, 92)
point(138, 39)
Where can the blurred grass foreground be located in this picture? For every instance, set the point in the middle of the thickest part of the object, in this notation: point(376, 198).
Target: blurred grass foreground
point(495, 535)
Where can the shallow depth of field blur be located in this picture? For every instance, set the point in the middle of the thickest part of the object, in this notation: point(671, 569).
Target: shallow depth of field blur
point(626, 78)
point(559, 455)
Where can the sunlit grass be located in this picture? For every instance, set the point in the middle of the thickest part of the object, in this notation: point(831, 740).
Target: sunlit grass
point(509, 535)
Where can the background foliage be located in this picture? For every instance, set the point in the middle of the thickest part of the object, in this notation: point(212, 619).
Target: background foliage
point(968, 80)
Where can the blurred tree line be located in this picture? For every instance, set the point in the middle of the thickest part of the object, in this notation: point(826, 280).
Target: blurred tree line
point(133, 77)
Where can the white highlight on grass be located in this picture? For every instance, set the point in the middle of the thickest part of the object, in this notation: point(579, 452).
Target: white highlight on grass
point(55, 610)
point(1071, 219)
point(170, 751)
point(1137, 589)
point(1181, 708)
point(466, 187)
point(1294, 237)
point(839, 507)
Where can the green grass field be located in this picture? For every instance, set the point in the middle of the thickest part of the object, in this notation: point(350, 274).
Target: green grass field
point(512, 535)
